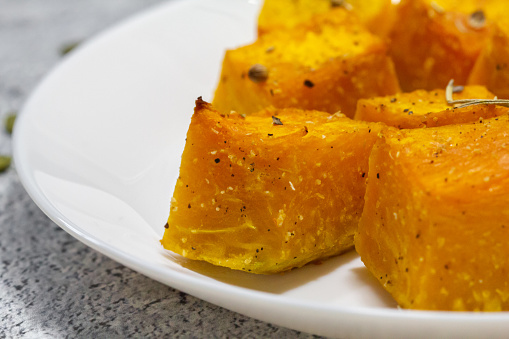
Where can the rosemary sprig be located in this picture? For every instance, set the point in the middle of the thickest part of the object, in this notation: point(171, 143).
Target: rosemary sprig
point(470, 102)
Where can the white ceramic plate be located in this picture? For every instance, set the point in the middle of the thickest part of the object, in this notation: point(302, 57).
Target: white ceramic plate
point(98, 148)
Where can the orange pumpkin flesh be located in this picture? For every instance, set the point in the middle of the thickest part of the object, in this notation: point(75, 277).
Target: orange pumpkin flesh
point(433, 42)
point(435, 225)
point(326, 65)
point(427, 108)
point(492, 67)
point(374, 14)
point(261, 197)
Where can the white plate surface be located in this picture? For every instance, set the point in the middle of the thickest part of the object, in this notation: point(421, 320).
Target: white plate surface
point(98, 147)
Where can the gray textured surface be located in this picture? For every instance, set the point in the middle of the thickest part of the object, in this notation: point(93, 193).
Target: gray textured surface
point(51, 285)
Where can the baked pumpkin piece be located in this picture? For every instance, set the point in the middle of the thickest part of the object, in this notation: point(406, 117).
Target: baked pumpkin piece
point(326, 65)
point(492, 67)
point(271, 191)
point(287, 14)
point(435, 224)
point(435, 41)
point(427, 108)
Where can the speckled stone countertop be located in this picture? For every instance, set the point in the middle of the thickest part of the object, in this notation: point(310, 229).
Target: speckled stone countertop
point(51, 285)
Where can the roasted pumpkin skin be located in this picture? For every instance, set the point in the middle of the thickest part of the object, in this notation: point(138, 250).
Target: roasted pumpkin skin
point(422, 108)
point(262, 197)
point(326, 65)
point(287, 14)
point(492, 67)
point(434, 228)
point(433, 42)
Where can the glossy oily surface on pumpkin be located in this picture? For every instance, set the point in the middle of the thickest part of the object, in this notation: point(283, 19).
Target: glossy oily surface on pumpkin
point(327, 65)
point(265, 194)
point(422, 108)
point(435, 226)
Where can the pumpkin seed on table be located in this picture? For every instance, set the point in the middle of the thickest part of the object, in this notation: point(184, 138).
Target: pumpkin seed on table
point(68, 47)
point(9, 122)
point(5, 162)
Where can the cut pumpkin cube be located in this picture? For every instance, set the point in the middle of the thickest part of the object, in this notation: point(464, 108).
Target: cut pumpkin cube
point(437, 40)
point(492, 67)
point(422, 108)
point(435, 224)
point(287, 14)
point(270, 191)
point(327, 65)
